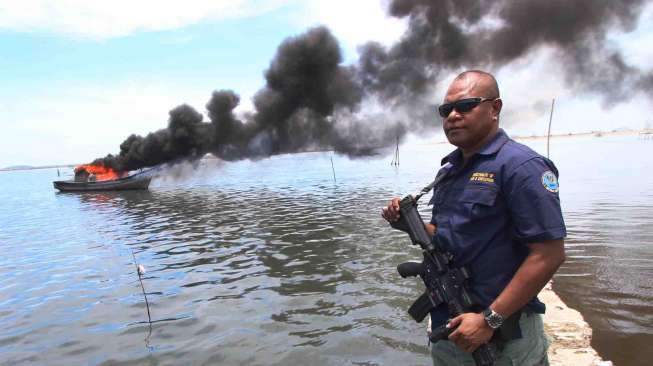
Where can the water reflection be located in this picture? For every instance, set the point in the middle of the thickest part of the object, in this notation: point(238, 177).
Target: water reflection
point(607, 275)
point(233, 266)
point(270, 262)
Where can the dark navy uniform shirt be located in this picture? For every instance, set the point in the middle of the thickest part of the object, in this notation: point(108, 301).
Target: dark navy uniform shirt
point(486, 211)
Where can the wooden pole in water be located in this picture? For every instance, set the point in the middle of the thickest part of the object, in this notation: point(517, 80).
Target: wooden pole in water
point(397, 152)
point(395, 158)
point(548, 135)
point(333, 170)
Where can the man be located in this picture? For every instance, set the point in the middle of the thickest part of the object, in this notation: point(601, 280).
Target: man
point(498, 212)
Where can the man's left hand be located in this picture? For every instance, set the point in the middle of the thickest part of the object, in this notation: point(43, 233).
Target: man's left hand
point(472, 332)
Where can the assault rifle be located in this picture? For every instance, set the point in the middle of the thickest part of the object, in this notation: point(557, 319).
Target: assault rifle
point(444, 283)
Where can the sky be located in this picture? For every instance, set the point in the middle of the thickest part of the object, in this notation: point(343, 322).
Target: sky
point(78, 77)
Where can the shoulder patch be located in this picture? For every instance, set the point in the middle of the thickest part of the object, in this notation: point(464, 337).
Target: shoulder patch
point(550, 181)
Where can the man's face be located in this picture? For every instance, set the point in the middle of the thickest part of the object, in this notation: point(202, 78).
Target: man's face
point(468, 130)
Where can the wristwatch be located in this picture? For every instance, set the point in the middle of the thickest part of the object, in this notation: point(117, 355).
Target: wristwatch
point(492, 318)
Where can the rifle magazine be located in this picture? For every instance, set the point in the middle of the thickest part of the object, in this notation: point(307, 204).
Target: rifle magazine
point(421, 307)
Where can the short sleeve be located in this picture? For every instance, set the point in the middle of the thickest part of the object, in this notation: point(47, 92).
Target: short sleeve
point(532, 195)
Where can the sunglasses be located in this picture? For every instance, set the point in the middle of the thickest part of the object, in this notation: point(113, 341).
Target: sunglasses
point(462, 105)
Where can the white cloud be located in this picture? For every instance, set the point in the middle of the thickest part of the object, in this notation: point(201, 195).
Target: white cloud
point(353, 22)
point(78, 123)
point(634, 44)
point(529, 85)
point(86, 122)
point(107, 19)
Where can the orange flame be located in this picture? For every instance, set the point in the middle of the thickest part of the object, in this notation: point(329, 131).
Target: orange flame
point(101, 172)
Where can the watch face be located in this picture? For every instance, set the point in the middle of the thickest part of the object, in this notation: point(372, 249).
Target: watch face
point(494, 322)
point(493, 319)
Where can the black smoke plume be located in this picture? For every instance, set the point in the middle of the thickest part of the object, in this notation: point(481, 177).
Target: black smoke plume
point(448, 35)
point(312, 101)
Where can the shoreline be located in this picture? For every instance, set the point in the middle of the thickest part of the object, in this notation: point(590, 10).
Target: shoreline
point(13, 169)
point(568, 332)
point(643, 132)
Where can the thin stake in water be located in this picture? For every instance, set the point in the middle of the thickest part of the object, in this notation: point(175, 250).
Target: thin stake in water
point(395, 159)
point(548, 135)
point(140, 270)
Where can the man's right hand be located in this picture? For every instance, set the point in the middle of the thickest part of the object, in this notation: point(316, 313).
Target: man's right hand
point(392, 212)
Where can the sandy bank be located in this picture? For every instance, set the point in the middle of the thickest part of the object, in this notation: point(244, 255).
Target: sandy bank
point(569, 333)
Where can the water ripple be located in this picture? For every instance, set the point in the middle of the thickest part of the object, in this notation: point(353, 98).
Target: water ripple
point(256, 264)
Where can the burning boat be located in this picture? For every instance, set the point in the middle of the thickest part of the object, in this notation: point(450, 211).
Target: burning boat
point(100, 178)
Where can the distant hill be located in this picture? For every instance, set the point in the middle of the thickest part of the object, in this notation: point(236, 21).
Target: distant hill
point(18, 167)
point(29, 167)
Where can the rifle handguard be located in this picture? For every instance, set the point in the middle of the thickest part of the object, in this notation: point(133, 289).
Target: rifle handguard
point(399, 225)
point(413, 222)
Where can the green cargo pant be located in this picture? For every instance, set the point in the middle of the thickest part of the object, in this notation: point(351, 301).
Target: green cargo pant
point(529, 350)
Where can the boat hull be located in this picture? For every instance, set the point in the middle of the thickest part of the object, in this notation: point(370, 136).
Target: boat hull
point(129, 183)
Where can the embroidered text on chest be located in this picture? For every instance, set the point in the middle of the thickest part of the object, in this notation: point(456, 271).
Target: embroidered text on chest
point(482, 177)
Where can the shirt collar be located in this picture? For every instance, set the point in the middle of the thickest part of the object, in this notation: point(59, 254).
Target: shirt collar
point(493, 146)
point(455, 158)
